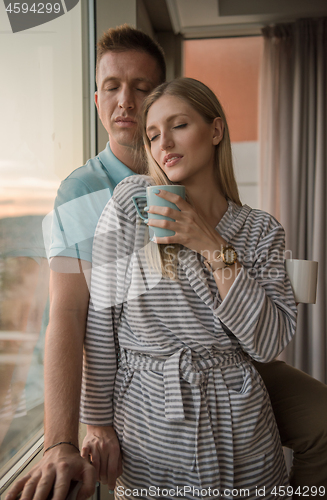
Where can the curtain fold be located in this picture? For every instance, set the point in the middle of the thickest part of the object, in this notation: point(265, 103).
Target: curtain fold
point(293, 162)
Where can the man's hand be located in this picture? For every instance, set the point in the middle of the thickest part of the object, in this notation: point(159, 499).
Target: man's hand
point(102, 445)
point(57, 469)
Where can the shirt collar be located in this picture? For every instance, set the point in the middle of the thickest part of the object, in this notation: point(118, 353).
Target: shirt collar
point(116, 169)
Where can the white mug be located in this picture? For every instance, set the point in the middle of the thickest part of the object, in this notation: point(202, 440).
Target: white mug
point(303, 275)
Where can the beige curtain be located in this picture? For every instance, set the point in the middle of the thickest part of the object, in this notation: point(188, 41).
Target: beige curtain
point(293, 166)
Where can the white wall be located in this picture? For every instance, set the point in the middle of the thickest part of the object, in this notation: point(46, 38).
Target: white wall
point(245, 156)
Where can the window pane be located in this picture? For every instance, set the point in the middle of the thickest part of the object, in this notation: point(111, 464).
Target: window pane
point(231, 68)
point(41, 142)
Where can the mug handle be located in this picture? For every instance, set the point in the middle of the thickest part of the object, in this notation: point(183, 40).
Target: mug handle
point(134, 198)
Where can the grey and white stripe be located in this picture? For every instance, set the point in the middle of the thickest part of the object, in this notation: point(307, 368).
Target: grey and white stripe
point(188, 406)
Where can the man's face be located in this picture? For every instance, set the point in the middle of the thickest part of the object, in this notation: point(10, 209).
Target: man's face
point(124, 80)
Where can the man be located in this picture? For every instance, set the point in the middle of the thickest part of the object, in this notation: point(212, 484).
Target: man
point(129, 66)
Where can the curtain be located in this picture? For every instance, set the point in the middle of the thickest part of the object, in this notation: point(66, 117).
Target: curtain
point(293, 177)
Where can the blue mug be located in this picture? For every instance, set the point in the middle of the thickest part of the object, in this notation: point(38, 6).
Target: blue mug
point(152, 199)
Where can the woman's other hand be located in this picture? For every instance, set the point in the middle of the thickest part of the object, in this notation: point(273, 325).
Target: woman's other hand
point(101, 445)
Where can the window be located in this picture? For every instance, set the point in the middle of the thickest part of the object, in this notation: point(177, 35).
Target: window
point(231, 67)
point(41, 142)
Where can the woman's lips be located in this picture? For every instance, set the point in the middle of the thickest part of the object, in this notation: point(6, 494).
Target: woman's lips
point(171, 159)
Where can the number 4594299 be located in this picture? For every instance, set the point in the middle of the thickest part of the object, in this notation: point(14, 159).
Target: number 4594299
point(35, 8)
point(303, 491)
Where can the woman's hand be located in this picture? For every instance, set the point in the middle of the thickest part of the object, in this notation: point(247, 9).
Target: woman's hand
point(191, 230)
point(102, 446)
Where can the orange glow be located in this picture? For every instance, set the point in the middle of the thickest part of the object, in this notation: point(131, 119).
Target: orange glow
point(230, 67)
point(32, 197)
point(25, 207)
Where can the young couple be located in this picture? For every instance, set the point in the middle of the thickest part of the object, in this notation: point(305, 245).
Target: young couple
point(188, 406)
point(185, 400)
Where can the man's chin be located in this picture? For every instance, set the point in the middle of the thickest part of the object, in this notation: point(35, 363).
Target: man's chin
point(126, 136)
point(134, 141)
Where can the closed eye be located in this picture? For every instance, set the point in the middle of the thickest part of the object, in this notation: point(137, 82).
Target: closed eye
point(182, 125)
point(151, 139)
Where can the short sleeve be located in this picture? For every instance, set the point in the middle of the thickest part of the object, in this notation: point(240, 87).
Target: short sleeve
point(69, 229)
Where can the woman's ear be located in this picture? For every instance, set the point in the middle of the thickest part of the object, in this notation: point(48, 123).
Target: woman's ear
point(218, 130)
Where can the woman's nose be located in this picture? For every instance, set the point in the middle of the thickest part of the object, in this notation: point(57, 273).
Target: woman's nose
point(166, 142)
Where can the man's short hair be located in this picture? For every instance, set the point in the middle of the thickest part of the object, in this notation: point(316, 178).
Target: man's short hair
point(125, 38)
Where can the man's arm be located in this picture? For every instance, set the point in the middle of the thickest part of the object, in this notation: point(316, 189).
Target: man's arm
point(69, 297)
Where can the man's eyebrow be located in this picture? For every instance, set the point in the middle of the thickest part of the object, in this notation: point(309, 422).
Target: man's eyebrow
point(143, 79)
point(117, 79)
point(172, 117)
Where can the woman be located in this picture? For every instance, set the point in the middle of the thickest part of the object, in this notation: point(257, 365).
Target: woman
point(189, 408)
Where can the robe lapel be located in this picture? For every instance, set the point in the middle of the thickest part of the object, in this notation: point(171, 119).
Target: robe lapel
point(189, 261)
point(233, 220)
point(196, 274)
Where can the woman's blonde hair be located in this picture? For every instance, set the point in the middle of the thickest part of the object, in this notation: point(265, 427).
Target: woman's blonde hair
point(204, 101)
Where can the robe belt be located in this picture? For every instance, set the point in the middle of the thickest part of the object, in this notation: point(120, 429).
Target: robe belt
point(206, 460)
point(178, 365)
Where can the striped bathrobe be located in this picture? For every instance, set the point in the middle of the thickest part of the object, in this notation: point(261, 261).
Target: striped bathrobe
point(167, 362)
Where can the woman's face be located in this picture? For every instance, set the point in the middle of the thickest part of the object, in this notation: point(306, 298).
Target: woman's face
point(182, 143)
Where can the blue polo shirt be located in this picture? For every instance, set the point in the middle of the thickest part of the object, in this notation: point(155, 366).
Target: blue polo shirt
point(69, 229)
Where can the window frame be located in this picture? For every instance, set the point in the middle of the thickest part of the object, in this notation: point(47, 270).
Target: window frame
point(30, 453)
